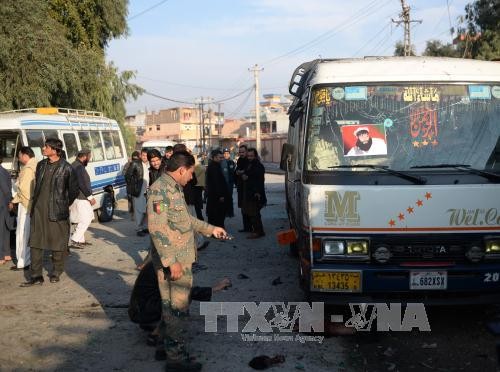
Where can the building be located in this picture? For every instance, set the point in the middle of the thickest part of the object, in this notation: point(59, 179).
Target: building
point(183, 125)
point(138, 123)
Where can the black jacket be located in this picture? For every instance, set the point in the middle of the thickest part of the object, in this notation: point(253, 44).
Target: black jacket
point(215, 183)
point(134, 178)
point(83, 180)
point(154, 174)
point(63, 189)
point(255, 182)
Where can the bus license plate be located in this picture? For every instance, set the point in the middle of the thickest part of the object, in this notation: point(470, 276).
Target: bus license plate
point(336, 281)
point(428, 280)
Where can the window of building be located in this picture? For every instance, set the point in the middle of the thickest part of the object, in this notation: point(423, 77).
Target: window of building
point(157, 126)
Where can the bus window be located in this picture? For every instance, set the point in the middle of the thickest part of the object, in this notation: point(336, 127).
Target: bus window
point(48, 133)
point(85, 141)
point(35, 141)
point(117, 144)
point(8, 142)
point(97, 150)
point(71, 146)
point(108, 145)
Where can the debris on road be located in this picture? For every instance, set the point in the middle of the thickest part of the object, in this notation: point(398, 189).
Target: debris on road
point(264, 362)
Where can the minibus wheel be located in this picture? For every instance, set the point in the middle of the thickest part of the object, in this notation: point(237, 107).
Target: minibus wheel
point(107, 210)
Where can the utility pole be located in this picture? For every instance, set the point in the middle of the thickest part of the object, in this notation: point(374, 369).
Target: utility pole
point(255, 69)
point(220, 123)
point(201, 107)
point(404, 18)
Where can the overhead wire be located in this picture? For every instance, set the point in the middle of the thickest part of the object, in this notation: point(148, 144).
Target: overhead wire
point(146, 10)
point(182, 85)
point(176, 100)
point(373, 38)
point(361, 14)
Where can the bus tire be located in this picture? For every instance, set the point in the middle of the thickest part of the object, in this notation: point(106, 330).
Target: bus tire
point(107, 210)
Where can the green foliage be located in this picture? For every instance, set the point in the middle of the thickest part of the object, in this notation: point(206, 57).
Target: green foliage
point(480, 38)
point(399, 49)
point(436, 48)
point(52, 54)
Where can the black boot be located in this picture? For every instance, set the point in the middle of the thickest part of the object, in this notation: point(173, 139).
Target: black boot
point(32, 282)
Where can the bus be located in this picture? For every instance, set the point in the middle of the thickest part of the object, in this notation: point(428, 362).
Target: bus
point(393, 179)
point(77, 129)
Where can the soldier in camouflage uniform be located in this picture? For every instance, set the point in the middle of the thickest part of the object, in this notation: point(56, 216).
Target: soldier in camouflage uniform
point(172, 228)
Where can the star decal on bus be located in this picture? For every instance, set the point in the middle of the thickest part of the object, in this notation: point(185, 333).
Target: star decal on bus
point(410, 210)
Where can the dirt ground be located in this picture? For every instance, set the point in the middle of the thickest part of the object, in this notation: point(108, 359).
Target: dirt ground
point(81, 323)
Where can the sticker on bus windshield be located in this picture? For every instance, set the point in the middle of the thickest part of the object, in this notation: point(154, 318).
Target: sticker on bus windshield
point(338, 93)
point(356, 93)
point(479, 92)
point(347, 122)
point(322, 97)
point(420, 94)
point(364, 140)
point(423, 127)
point(495, 91)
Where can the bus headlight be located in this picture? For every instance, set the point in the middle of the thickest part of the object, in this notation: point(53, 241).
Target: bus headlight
point(357, 247)
point(493, 247)
point(333, 247)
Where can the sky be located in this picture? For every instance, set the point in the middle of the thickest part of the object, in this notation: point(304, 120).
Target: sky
point(188, 49)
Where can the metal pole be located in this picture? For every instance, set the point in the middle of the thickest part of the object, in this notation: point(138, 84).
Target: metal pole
point(256, 71)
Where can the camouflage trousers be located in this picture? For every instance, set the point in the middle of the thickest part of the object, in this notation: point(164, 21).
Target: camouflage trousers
point(176, 297)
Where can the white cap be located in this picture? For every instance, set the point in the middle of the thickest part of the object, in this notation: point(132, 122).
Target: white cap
point(361, 129)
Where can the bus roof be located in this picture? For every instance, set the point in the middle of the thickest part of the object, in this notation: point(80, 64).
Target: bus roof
point(55, 118)
point(401, 69)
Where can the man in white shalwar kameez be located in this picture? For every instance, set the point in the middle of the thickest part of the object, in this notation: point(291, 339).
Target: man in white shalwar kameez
point(24, 192)
point(81, 211)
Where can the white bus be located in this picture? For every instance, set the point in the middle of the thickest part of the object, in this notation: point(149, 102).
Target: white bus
point(159, 145)
point(77, 129)
point(393, 179)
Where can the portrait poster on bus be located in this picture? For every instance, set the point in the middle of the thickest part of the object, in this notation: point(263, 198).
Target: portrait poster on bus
point(364, 140)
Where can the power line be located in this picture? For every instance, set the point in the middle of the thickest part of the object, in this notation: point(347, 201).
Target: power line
point(182, 85)
point(175, 100)
point(373, 38)
point(146, 10)
point(361, 13)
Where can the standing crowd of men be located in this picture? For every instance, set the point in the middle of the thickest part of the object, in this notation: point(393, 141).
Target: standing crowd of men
point(49, 196)
point(176, 226)
point(166, 195)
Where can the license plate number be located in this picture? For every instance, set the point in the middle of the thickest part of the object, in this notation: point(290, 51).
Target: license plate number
point(428, 280)
point(337, 281)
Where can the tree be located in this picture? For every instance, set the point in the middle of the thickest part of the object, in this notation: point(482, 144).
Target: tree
point(436, 48)
point(400, 49)
point(480, 39)
point(52, 54)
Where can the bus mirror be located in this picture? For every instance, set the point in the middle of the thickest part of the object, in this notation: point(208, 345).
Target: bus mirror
point(287, 162)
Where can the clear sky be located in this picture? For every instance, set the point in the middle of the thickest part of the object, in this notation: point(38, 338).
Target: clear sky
point(185, 49)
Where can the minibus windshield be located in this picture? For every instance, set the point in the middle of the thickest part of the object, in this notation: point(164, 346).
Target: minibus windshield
point(405, 127)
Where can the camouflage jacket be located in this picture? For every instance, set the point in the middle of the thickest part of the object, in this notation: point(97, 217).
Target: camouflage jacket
point(170, 224)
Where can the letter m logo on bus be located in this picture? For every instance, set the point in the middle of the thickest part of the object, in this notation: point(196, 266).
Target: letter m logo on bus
point(342, 209)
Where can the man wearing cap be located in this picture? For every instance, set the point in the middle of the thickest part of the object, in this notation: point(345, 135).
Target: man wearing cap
point(367, 145)
point(56, 187)
point(82, 212)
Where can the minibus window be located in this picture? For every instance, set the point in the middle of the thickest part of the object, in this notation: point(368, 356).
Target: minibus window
point(50, 134)
point(108, 145)
point(85, 142)
point(117, 144)
point(71, 146)
point(97, 150)
point(35, 141)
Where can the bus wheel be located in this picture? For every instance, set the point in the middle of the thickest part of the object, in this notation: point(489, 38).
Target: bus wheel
point(107, 210)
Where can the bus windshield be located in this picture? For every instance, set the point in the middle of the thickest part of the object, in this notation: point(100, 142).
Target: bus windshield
point(403, 126)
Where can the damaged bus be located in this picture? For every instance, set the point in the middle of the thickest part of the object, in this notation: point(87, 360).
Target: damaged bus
point(393, 179)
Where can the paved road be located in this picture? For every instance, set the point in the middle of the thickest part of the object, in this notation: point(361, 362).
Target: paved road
point(81, 323)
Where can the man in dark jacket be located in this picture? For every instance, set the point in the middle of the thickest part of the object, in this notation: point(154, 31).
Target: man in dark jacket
point(81, 210)
point(254, 194)
point(241, 166)
point(56, 187)
point(156, 165)
point(137, 177)
point(217, 194)
point(6, 219)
